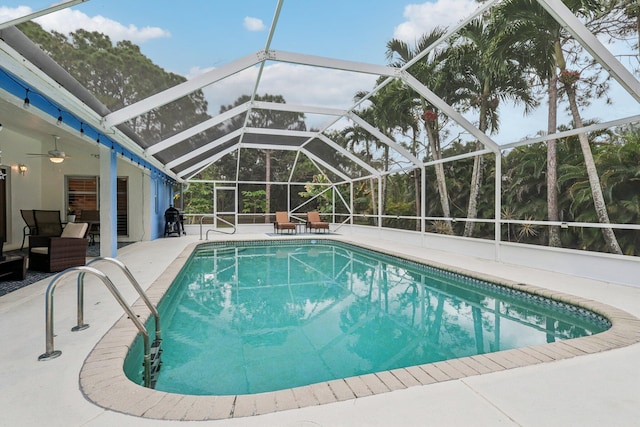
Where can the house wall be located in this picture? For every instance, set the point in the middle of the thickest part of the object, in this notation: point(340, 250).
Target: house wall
point(43, 186)
point(23, 192)
point(160, 198)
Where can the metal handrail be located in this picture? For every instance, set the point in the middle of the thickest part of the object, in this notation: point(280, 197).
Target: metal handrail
point(203, 216)
point(81, 325)
point(51, 353)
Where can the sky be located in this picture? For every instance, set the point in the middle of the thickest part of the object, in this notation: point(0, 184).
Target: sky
point(190, 37)
point(214, 32)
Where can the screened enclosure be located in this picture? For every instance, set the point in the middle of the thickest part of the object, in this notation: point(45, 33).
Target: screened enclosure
point(519, 123)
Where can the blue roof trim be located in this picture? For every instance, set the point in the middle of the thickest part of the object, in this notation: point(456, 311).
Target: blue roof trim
point(20, 89)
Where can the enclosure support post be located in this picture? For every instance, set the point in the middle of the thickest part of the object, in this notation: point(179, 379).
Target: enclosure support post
point(380, 202)
point(333, 203)
point(351, 200)
point(423, 198)
point(498, 204)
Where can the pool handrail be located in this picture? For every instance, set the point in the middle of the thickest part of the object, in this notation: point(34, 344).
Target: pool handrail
point(203, 216)
point(51, 353)
point(154, 311)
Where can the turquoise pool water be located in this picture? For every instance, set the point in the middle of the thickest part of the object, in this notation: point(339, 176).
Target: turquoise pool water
point(262, 316)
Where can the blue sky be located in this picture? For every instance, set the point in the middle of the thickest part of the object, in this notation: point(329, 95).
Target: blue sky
point(199, 34)
point(189, 37)
point(192, 36)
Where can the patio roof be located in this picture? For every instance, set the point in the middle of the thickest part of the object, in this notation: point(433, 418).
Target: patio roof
point(183, 153)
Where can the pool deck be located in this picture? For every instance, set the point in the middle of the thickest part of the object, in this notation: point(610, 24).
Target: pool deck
point(602, 388)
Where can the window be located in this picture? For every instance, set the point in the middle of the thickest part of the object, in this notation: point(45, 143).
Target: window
point(122, 206)
point(83, 194)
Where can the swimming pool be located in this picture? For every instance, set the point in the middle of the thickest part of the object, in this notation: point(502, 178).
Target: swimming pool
point(261, 316)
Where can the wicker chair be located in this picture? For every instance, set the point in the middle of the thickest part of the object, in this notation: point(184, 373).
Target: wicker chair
point(314, 222)
point(53, 254)
point(30, 228)
point(48, 223)
point(283, 223)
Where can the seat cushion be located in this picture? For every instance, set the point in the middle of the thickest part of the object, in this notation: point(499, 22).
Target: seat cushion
point(75, 229)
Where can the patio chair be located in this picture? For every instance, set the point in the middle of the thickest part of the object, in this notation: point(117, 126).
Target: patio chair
point(30, 227)
point(283, 222)
point(48, 223)
point(52, 254)
point(314, 222)
point(91, 217)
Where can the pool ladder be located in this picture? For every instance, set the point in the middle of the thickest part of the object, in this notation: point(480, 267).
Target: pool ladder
point(152, 352)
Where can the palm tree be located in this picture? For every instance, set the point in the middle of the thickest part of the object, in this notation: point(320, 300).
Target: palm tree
point(486, 79)
point(428, 72)
point(380, 115)
point(355, 136)
point(396, 106)
point(528, 22)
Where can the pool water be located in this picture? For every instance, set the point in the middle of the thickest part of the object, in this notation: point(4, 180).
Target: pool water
point(262, 316)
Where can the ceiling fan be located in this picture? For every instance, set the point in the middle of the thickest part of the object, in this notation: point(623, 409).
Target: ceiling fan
point(55, 155)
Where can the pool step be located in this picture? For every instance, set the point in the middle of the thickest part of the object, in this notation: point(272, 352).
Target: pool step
point(156, 362)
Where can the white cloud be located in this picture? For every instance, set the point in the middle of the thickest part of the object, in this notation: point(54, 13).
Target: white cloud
point(253, 24)
point(422, 18)
point(68, 20)
point(298, 84)
point(9, 13)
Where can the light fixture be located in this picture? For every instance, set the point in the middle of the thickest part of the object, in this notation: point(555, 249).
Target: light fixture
point(27, 102)
point(22, 169)
point(55, 155)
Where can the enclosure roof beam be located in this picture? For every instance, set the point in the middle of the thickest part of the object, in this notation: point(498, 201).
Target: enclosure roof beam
point(325, 164)
point(325, 139)
point(348, 154)
point(39, 13)
point(259, 146)
point(440, 104)
point(279, 106)
point(572, 132)
point(335, 64)
point(192, 170)
point(384, 138)
point(571, 23)
point(180, 90)
point(202, 150)
point(283, 132)
point(200, 127)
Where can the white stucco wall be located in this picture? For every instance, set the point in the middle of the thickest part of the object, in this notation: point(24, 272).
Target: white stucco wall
point(43, 186)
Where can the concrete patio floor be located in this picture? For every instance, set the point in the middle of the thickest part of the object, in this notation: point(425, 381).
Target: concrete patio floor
point(591, 390)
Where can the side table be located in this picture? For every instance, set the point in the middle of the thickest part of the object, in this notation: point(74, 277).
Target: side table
point(13, 267)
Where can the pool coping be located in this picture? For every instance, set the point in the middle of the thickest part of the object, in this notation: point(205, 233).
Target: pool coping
point(103, 382)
